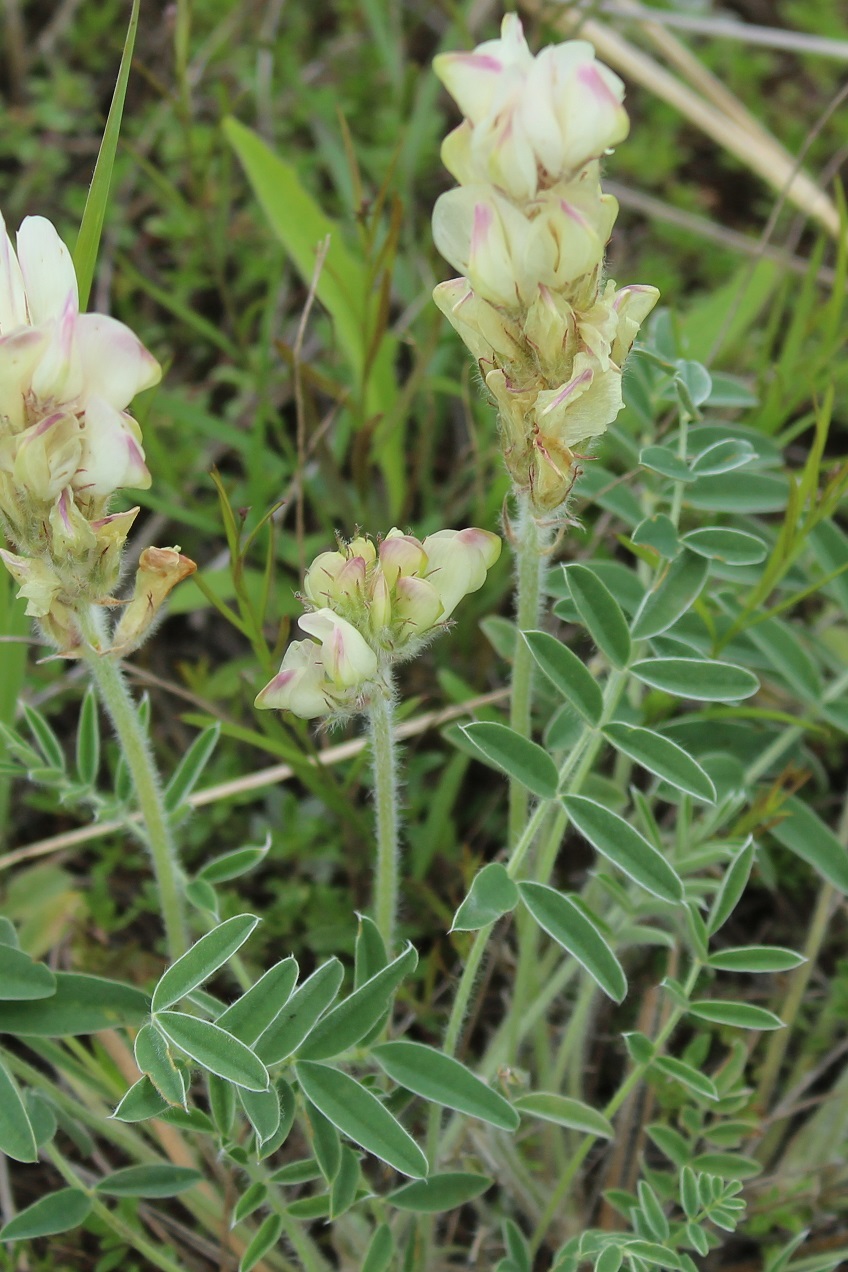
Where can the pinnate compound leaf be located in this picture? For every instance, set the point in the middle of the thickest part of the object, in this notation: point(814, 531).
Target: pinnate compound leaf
point(571, 928)
point(516, 756)
point(163, 1180)
point(600, 612)
point(726, 1012)
point(22, 979)
point(204, 958)
point(492, 894)
point(82, 1004)
point(17, 1137)
point(677, 591)
point(444, 1080)
point(659, 755)
point(616, 840)
point(440, 1192)
point(361, 1117)
point(249, 1016)
point(57, 1212)
point(266, 1237)
point(564, 1111)
point(214, 1049)
point(756, 958)
point(805, 834)
point(732, 547)
point(732, 886)
point(568, 674)
point(700, 679)
point(353, 1018)
point(285, 1034)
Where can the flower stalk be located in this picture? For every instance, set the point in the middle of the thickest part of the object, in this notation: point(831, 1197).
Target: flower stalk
point(385, 768)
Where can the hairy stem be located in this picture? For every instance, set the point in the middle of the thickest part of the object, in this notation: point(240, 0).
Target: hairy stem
point(531, 565)
point(118, 702)
point(384, 761)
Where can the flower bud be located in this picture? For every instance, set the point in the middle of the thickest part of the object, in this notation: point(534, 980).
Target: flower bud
point(417, 609)
point(400, 554)
point(38, 584)
point(72, 534)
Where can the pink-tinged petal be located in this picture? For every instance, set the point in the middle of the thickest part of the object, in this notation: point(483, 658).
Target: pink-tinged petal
point(13, 307)
point(400, 554)
point(112, 454)
point(300, 684)
point(348, 659)
point(47, 268)
point(458, 561)
point(19, 355)
point(115, 364)
point(58, 376)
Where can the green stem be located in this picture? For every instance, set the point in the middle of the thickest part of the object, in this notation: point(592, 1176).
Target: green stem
point(384, 761)
point(531, 565)
point(634, 1077)
point(119, 704)
point(135, 1239)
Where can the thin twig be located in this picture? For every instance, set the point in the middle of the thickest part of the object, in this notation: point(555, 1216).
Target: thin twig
point(252, 781)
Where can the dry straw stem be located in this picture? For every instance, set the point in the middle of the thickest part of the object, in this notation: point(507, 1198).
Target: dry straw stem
point(712, 108)
point(252, 781)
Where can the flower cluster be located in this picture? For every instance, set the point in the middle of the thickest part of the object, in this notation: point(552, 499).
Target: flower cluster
point(372, 605)
point(527, 228)
point(66, 440)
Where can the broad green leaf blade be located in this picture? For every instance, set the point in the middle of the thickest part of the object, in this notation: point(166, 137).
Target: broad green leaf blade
point(266, 1237)
point(659, 459)
point(222, 1103)
point(616, 840)
point(88, 239)
point(140, 1102)
point(564, 1111)
point(687, 1076)
point(204, 958)
point(571, 927)
point(249, 1016)
point(231, 865)
point(742, 1015)
point(568, 674)
point(254, 1196)
point(732, 886)
point(732, 547)
point(57, 1212)
point(728, 1165)
point(352, 1019)
point(756, 958)
point(17, 1138)
point(437, 1077)
point(285, 1034)
point(81, 1004)
point(380, 1250)
point(516, 756)
point(361, 1117)
point(370, 955)
point(163, 1180)
point(156, 1062)
point(492, 893)
point(660, 533)
point(723, 457)
point(788, 657)
point(663, 757)
point(263, 1112)
point(88, 739)
point(190, 768)
point(440, 1192)
point(697, 678)
point(600, 612)
point(214, 1049)
point(805, 834)
point(346, 1183)
point(21, 979)
point(326, 1144)
point(677, 591)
